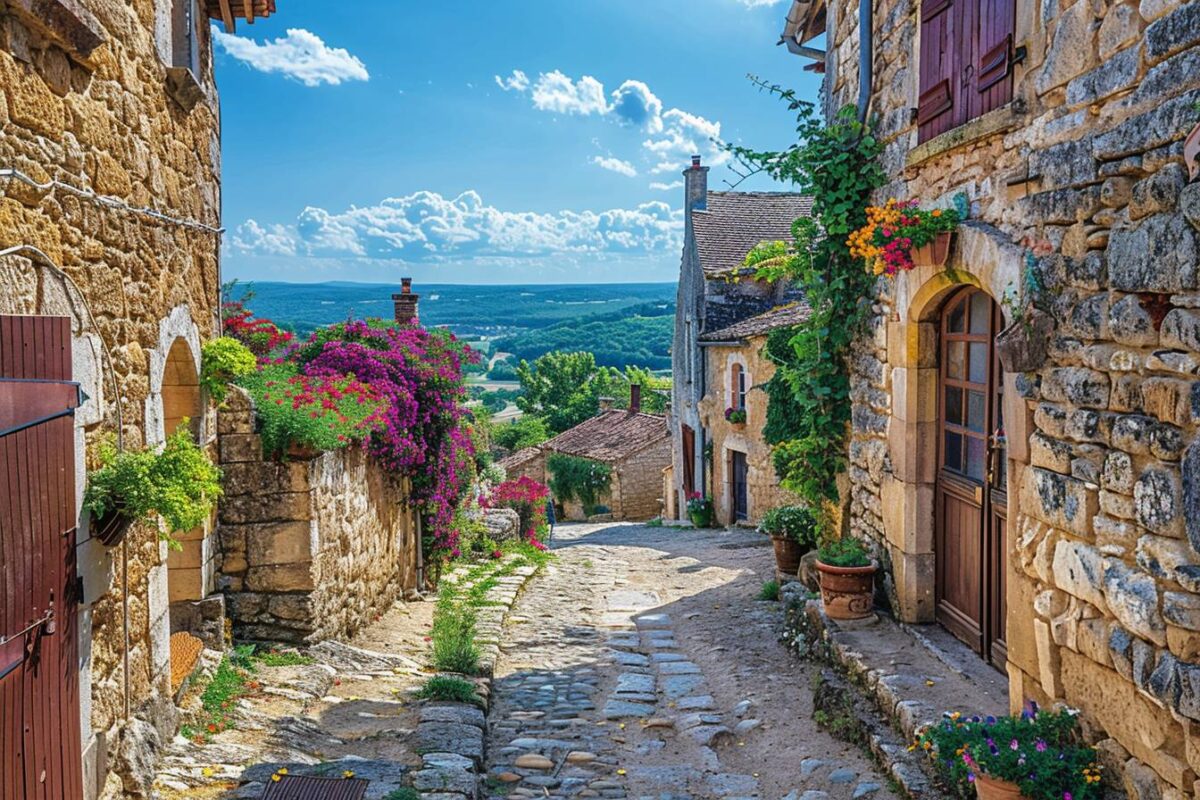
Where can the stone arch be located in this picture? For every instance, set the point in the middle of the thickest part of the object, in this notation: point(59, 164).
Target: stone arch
point(181, 390)
point(983, 257)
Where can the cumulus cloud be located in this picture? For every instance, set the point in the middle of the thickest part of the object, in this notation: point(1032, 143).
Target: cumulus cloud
point(661, 186)
point(428, 227)
point(759, 3)
point(300, 55)
point(517, 82)
point(558, 93)
point(615, 165)
point(674, 135)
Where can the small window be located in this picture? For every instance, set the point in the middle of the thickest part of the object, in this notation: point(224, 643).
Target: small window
point(186, 20)
point(737, 386)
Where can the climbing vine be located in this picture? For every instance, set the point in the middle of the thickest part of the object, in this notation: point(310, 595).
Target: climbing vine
point(809, 396)
point(576, 478)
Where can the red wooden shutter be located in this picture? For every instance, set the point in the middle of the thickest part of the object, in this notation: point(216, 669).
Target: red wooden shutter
point(993, 56)
point(938, 81)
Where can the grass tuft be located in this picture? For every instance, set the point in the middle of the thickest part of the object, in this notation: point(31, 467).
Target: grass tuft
point(769, 591)
point(449, 688)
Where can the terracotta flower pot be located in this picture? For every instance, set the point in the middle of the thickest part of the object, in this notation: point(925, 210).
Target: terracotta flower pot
point(995, 789)
point(935, 253)
point(788, 553)
point(1024, 344)
point(847, 592)
point(1191, 152)
point(110, 529)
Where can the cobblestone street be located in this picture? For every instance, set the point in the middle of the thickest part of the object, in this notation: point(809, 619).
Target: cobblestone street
point(641, 664)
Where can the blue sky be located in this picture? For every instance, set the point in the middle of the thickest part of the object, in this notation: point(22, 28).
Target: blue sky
point(538, 141)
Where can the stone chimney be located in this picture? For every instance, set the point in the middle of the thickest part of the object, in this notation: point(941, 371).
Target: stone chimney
point(406, 303)
point(606, 404)
point(635, 398)
point(695, 188)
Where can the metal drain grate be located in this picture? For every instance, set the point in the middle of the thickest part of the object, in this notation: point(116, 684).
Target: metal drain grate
point(301, 787)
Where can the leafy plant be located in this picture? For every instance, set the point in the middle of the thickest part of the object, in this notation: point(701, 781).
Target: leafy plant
point(736, 416)
point(447, 688)
point(524, 432)
point(1039, 751)
point(575, 478)
point(180, 483)
point(282, 658)
point(894, 229)
point(222, 361)
point(797, 523)
point(809, 395)
point(697, 503)
point(844, 552)
point(233, 678)
point(769, 591)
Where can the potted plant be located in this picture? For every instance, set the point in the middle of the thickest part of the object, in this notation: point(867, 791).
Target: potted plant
point(793, 532)
point(700, 510)
point(847, 578)
point(1035, 755)
point(899, 236)
point(735, 416)
point(180, 484)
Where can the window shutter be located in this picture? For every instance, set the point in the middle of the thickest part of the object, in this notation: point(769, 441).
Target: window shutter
point(993, 57)
point(938, 81)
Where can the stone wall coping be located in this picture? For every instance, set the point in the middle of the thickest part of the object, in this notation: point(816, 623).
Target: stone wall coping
point(999, 120)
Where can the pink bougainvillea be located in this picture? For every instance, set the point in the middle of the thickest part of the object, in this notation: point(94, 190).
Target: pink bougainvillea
point(528, 498)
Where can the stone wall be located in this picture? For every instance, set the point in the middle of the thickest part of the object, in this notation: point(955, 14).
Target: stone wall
point(763, 486)
point(85, 101)
point(1080, 179)
point(313, 547)
point(638, 482)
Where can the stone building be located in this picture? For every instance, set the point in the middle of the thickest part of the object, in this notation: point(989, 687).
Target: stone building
point(743, 480)
point(720, 229)
point(635, 445)
point(110, 216)
point(1051, 518)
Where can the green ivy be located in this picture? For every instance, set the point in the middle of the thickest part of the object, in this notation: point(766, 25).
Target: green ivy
point(575, 478)
point(809, 406)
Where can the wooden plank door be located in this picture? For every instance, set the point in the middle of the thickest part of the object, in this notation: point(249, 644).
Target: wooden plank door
point(970, 509)
point(39, 672)
point(740, 486)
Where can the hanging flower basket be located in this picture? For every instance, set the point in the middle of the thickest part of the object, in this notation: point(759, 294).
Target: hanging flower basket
point(1023, 345)
point(111, 527)
point(934, 253)
point(1191, 152)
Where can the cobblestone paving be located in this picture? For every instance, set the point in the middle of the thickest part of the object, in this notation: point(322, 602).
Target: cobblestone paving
point(640, 665)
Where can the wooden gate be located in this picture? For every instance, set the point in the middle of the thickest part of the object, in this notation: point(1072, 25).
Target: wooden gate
point(40, 754)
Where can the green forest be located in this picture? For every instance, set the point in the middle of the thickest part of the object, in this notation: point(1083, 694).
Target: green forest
point(638, 336)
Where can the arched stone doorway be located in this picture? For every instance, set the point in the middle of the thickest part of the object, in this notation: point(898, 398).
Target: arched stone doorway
point(970, 498)
point(181, 390)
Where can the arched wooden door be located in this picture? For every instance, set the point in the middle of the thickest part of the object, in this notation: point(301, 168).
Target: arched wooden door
point(971, 502)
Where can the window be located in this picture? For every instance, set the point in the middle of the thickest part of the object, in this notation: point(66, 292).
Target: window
point(966, 62)
point(737, 386)
point(186, 20)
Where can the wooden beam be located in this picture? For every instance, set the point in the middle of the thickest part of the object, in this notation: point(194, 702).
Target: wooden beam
point(249, 6)
point(227, 16)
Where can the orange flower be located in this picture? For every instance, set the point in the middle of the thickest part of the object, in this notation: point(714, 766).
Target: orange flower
point(937, 212)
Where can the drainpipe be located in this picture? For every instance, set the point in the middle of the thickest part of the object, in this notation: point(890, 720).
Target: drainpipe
point(866, 52)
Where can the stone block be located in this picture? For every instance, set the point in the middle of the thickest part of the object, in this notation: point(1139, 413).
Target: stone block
point(1115, 538)
point(1051, 419)
point(280, 578)
point(1157, 193)
point(281, 507)
point(1119, 28)
point(1071, 49)
point(914, 576)
point(1165, 123)
point(1169, 399)
point(1190, 471)
point(1117, 505)
point(1184, 643)
point(1078, 386)
point(1050, 454)
point(1104, 696)
point(1020, 593)
point(280, 543)
point(1079, 570)
point(1049, 661)
point(1092, 640)
point(1162, 557)
point(1181, 329)
point(1132, 597)
point(1173, 33)
point(1159, 255)
point(1182, 609)
point(1059, 500)
point(907, 514)
point(1158, 499)
point(1126, 393)
point(1132, 433)
point(1118, 472)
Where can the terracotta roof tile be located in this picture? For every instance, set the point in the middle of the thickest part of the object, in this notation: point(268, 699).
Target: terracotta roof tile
point(611, 436)
point(761, 324)
point(735, 222)
point(519, 457)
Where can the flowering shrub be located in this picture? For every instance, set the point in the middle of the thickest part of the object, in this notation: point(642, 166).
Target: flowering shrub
point(1038, 751)
point(735, 415)
point(322, 412)
point(222, 361)
point(892, 231)
point(528, 498)
point(262, 336)
point(697, 503)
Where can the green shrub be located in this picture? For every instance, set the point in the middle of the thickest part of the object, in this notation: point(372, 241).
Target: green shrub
point(449, 688)
point(222, 361)
point(527, 431)
point(844, 552)
point(769, 591)
point(575, 478)
point(797, 523)
point(180, 484)
point(453, 635)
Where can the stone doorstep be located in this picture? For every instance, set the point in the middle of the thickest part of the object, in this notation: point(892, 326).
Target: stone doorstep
point(890, 665)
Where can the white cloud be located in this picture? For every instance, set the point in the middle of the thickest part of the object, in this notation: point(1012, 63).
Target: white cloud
point(615, 165)
point(300, 55)
point(556, 92)
point(517, 82)
point(759, 3)
point(660, 186)
point(634, 104)
point(427, 227)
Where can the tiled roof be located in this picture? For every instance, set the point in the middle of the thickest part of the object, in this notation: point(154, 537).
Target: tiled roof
point(764, 323)
point(611, 436)
point(735, 222)
point(520, 457)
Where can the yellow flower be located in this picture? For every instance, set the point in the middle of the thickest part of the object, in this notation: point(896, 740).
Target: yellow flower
point(283, 770)
point(348, 773)
point(275, 777)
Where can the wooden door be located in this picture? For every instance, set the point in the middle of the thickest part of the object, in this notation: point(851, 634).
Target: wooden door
point(970, 500)
point(689, 459)
point(739, 486)
point(39, 652)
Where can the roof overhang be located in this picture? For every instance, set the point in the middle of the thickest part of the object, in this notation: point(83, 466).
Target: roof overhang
point(805, 22)
point(228, 11)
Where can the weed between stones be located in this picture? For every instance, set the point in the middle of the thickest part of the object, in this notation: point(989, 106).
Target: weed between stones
point(449, 688)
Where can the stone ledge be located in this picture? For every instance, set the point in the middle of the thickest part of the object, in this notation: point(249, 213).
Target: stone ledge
point(993, 122)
